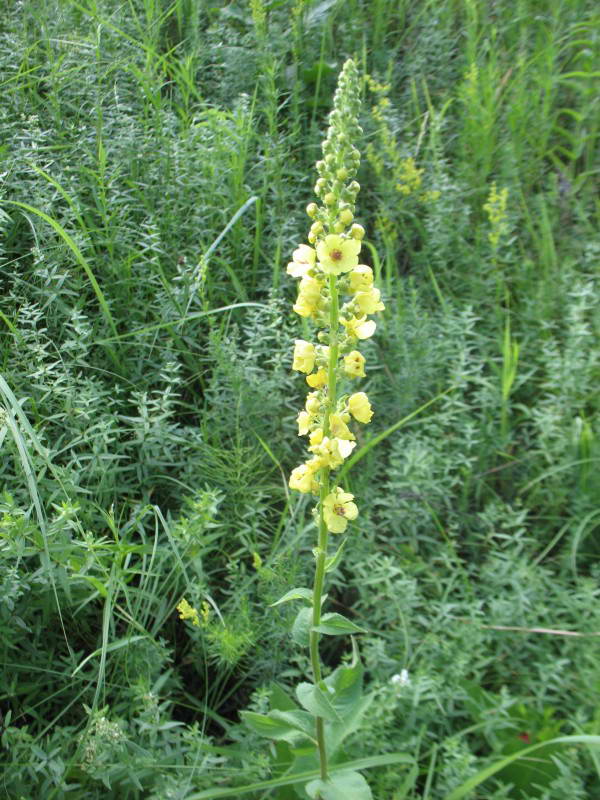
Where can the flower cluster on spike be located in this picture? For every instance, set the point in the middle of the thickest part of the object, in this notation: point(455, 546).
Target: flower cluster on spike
point(336, 293)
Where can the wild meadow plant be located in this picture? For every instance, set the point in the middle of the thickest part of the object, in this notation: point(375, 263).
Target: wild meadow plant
point(337, 294)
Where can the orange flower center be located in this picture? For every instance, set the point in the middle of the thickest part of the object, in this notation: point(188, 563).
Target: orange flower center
point(336, 255)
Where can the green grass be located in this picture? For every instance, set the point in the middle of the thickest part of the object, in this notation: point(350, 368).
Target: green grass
point(156, 161)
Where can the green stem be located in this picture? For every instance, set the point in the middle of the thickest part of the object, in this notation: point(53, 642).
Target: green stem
point(321, 552)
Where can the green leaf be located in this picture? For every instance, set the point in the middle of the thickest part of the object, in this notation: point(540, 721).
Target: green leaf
point(341, 786)
point(301, 627)
point(269, 726)
point(294, 594)
point(332, 562)
point(336, 732)
point(299, 720)
point(314, 699)
point(280, 700)
point(337, 625)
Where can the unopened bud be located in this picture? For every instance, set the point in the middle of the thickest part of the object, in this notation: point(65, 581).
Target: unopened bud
point(341, 174)
point(329, 199)
point(357, 231)
point(311, 210)
point(346, 216)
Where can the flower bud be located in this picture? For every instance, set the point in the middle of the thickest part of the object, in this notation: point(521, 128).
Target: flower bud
point(346, 216)
point(357, 231)
point(329, 199)
point(330, 159)
point(312, 209)
point(341, 174)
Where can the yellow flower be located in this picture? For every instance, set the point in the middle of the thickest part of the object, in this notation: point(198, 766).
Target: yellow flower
point(338, 427)
point(303, 479)
point(304, 419)
point(338, 508)
point(354, 365)
point(361, 278)
point(337, 255)
point(309, 296)
point(369, 302)
point(331, 452)
point(304, 356)
point(313, 403)
point(304, 259)
point(359, 407)
point(186, 611)
point(316, 436)
point(359, 327)
point(318, 378)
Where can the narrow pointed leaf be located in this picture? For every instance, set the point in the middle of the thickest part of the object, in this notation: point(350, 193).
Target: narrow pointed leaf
point(300, 593)
point(332, 562)
point(337, 625)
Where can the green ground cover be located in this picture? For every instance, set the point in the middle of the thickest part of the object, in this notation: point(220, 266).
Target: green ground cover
point(156, 161)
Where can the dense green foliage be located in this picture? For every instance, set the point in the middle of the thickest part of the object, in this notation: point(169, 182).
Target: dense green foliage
point(157, 156)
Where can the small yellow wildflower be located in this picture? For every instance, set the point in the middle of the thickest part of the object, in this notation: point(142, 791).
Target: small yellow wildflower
point(186, 611)
point(354, 365)
point(309, 296)
point(338, 508)
point(304, 356)
point(339, 429)
point(361, 278)
point(318, 379)
point(496, 211)
point(409, 176)
point(337, 254)
point(359, 327)
point(316, 436)
point(303, 479)
point(332, 452)
point(369, 302)
point(359, 407)
point(303, 259)
point(304, 420)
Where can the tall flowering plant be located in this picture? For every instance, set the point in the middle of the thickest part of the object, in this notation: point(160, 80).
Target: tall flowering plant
point(337, 294)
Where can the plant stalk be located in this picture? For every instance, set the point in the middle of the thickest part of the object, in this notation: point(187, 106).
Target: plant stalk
point(321, 552)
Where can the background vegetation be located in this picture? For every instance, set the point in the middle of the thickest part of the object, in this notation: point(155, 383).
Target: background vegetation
point(156, 159)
